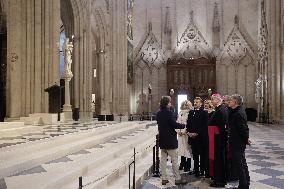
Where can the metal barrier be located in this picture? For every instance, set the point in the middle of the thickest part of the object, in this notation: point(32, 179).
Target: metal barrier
point(133, 162)
point(80, 183)
point(156, 167)
point(156, 161)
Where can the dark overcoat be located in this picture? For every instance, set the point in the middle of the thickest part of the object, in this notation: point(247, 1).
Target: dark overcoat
point(197, 123)
point(238, 129)
point(166, 126)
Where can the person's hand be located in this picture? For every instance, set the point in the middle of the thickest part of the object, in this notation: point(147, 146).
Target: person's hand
point(194, 135)
point(249, 142)
point(189, 134)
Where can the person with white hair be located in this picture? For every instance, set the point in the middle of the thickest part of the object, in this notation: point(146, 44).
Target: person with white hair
point(217, 142)
point(184, 149)
point(238, 139)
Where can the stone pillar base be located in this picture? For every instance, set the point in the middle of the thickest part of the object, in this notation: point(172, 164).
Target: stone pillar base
point(11, 119)
point(120, 118)
point(67, 108)
point(66, 117)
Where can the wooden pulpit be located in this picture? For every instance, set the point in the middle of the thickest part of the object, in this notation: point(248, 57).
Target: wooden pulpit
point(54, 98)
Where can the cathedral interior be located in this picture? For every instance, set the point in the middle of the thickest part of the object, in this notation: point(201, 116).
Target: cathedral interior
point(81, 81)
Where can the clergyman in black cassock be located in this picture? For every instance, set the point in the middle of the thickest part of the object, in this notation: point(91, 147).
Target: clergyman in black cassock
point(217, 142)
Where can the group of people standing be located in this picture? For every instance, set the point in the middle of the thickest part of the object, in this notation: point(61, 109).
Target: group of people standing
point(214, 135)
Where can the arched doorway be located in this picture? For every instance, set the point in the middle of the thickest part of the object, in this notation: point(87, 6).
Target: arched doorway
point(191, 77)
point(3, 64)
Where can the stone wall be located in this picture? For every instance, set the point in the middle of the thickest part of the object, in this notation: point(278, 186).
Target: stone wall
point(215, 22)
point(33, 54)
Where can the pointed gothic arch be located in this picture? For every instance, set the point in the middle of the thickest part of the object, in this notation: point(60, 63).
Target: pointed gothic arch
point(236, 46)
point(236, 65)
point(149, 66)
point(192, 44)
point(101, 50)
point(76, 17)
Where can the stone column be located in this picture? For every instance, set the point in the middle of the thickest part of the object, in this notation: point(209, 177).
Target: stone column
point(274, 59)
point(82, 56)
point(101, 82)
point(67, 105)
point(14, 59)
point(282, 60)
point(119, 85)
point(32, 54)
point(277, 9)
point(67, 75)
point(263, 85)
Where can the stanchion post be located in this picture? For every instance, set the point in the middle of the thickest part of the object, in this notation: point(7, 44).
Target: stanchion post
point(80, 183)
point(129, 176)
point(157, 169)
point(154, 158)
point(134, 171)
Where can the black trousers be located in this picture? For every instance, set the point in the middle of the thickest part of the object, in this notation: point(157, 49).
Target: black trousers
point(206, 160)
point(219, 161)
point(241, 167)
point(199, 158)
point(230, 169)
point(185, 163)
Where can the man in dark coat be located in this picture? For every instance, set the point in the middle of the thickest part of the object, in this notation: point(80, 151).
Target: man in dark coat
point(238, 139)
point(197, 130)
point(230, 169)
point(168, 139)
point(217, 142)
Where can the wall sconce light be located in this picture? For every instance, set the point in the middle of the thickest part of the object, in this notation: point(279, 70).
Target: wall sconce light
point(75, 38)
point(100, 52)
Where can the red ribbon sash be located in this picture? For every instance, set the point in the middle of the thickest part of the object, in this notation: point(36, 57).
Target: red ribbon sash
point(212, 131)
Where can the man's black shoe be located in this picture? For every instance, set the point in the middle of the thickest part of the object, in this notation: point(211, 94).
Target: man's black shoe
point(197, 174)
point(164, 182)
point(186, 169)
point(180, 182)
point(217, 185)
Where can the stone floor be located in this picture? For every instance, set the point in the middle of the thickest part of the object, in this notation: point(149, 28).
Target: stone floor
point(265, 161)
point(49, 131)
point(52, 131)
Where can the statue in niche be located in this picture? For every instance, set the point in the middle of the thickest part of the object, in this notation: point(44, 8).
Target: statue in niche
point(258, 87)
point(142, 104)
point(67, 53)
point(149, 89)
